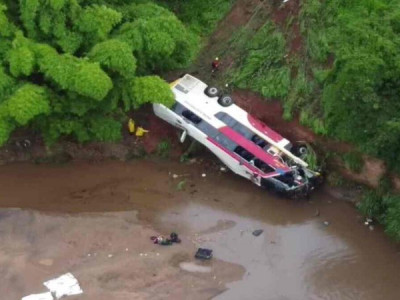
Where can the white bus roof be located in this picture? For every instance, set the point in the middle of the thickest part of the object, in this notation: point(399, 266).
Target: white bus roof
point(189, 91)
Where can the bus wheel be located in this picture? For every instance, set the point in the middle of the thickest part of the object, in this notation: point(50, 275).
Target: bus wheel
point(211, 91)
point(225, 100)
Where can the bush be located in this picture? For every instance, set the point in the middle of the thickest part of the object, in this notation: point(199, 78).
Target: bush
point(384, 206)
point(150, 89)
point(164, 149)
point(66, 66)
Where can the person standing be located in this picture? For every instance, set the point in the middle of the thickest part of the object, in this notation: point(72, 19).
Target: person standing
point(215, 65)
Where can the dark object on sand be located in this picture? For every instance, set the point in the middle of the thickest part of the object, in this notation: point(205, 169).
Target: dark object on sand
point(175, 238)
point(203, 253)
point(160, 240)
point(257, 232)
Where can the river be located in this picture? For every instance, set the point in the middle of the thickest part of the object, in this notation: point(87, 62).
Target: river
point(95, 220)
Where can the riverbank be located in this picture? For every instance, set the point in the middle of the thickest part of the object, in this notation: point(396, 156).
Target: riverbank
point(81, 217)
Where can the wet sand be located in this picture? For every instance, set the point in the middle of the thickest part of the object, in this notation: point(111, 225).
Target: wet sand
point(82, 218)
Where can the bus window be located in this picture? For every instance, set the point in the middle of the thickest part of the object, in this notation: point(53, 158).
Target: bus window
point(178, 108)
point(258, 141)
point(225, 142)
point(191, 116)
point(235, 125)
point(227, 119)
point(263, 166)
point(243, 153)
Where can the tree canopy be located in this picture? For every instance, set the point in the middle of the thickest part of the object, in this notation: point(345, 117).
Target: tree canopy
point(71, 67)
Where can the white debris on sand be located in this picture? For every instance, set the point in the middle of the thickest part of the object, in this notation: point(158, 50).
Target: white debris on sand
point(203, 175)
point(44, 296)
point(192, 267)
point(65, 285)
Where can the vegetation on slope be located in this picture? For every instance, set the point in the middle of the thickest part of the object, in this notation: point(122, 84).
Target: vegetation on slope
point(344, 81)
point(74, 67)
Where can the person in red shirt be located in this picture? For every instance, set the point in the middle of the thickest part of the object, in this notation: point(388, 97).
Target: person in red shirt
point(215, 65)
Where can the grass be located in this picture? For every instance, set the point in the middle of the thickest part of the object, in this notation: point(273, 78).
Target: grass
point(202, 16)
point(353, 161)
point(164, 149)
point(263, 69)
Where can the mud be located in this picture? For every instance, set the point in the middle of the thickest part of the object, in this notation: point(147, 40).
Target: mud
point(95, 220)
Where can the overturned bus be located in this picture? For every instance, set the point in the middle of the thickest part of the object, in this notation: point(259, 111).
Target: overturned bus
point(244, 144)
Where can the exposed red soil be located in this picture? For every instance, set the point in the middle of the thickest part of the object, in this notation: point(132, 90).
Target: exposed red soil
point(270, 112)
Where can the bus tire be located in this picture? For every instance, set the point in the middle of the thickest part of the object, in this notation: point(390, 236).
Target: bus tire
point(225, 100)
point(211, 91)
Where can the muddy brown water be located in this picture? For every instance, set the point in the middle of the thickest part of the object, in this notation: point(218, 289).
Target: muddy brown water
point(95, 220)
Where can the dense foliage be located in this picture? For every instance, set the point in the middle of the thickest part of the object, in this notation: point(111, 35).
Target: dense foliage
point(344, 81)
point(201, 16)
point(384, 207)
point(73, 67)
point(360, 88)
point(263, 68)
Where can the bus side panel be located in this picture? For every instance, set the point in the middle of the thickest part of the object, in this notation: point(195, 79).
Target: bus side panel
point(166, 114)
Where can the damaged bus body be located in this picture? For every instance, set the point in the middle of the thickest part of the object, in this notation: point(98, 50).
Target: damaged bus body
point(244, 144)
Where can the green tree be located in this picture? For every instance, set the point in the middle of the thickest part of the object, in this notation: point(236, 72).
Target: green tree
point(68, 67)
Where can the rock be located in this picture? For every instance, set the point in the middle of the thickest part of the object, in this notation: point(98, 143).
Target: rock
point(175, 176)
point(326, 223)
point(257, 232)
point(203, 175)
point(110, 255)
point(371, 227)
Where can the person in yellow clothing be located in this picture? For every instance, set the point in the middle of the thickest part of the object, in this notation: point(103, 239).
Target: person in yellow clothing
point(140, 131)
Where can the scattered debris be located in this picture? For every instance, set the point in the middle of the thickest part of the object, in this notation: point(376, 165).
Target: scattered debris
point(181, 185)
point(371, 227)
point(46, 262)
point(174, 237)
point(44, 296)
point(222, 169)
point(177, 176)
point(203, 253)
point(192, 267)
point(257, 232)
point(161, 240)
point(203, 175)
point(316, 213)
point(368, 221)
point(65, 285)
point(326, 223)
point(110, 255)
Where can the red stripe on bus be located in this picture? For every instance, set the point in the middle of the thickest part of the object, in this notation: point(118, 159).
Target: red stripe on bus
point(246, 164)
point(260, 126)
point(253, 148)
